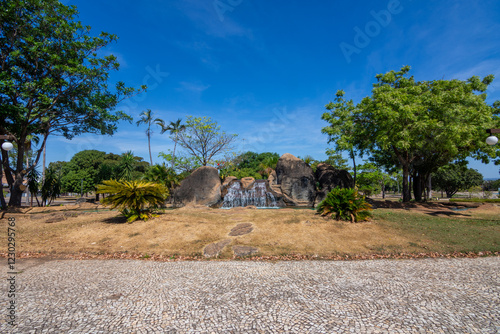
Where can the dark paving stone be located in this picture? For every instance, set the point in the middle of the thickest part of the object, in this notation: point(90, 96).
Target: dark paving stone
point(241, 229)
point(214, 249)
point(244, 250)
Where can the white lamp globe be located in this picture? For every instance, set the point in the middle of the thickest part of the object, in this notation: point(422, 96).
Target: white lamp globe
point(491, 140)
point(7, 146)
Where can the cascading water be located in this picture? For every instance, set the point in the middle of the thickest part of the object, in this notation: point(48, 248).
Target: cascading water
point(257, 196)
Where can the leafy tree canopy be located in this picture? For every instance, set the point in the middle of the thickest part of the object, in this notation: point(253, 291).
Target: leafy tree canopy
point(422, 125)
point(335, 160)
point(456, 177)
point(254, 160)
point(93, 166)
point(204, 140)
point(53, 80)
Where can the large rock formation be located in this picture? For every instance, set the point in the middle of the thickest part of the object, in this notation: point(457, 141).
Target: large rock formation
point(293, 183)
point(296, 181)
point(202, 187)
point(328, 178)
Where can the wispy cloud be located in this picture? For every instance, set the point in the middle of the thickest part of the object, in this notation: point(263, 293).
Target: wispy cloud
point(195, 87)
point(296, 131)
point(204, 15)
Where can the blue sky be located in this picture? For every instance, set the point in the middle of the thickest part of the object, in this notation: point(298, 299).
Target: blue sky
point(265, 69)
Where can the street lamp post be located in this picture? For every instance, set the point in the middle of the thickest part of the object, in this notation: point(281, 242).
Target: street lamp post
point(492, 140)
point(6, 146)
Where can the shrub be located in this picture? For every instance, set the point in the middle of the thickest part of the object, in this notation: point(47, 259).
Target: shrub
point(134, 199)
point(345, 204)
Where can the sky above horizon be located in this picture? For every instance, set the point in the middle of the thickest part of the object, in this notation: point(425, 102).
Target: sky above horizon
point(266, 70)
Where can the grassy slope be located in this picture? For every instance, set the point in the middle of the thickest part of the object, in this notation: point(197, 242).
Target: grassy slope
point(276, 232)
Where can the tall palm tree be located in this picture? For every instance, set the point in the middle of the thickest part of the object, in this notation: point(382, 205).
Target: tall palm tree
point(174, 128)
point(147, 118)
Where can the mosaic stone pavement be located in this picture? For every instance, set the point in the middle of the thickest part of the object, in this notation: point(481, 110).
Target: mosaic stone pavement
point(382, 296)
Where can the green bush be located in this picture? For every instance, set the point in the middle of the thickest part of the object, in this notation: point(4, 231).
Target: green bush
point(134, 199)
point(345, 204)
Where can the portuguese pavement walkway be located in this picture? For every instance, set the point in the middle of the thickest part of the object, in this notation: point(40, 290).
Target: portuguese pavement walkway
point(380, 296)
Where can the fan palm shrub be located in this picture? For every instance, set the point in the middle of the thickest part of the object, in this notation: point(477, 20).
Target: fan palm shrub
point(345, 204)
point(134, 199)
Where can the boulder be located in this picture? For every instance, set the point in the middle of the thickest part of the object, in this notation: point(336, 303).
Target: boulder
point(296, 180)
point(329, 177)
point(202, 187)
point(247, 182)
point(272, 178)
point(228, 180)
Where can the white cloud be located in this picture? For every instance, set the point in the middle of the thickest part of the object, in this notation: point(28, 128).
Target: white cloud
point(196, 87)
point(207, 17)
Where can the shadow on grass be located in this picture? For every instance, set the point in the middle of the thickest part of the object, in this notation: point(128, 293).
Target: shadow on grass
point(115, 220)
point(447, 213)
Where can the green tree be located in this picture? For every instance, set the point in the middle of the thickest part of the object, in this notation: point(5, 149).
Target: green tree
point(183, 164)
point(336, 160)
point(82, 169)
point(371, 179)
point(268, 164)
point(34, 185)
point(308, 159)
point(253, 160)
point(52, 80)
point(51, 186)
point(204, 140)
point(456, 177)
point(491, 185)
point(341, 130)
point(174, 128)
point(147, 118)
point(423, 125)
point(248, 164)
point(163, 175)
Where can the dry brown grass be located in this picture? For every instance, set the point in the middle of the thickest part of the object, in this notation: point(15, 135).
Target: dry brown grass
point(187, 231)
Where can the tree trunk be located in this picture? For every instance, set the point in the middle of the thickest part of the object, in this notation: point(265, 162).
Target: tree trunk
point(383, 188)
point(406, 186)
point(149, 145)
point(27, 188)
point(43, 167)
point(16, 194)
point(417, 186)
point(3, 204)
point(173, 155)
point(429, 187)
point(354, 167)
point(16, 178)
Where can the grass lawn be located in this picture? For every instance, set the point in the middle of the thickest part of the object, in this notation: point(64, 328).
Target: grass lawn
point(185, 232)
